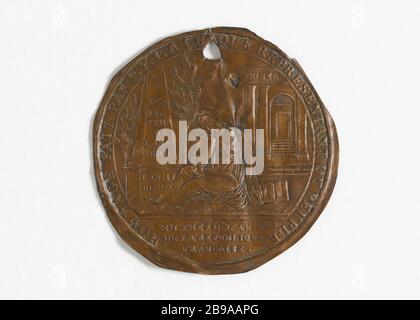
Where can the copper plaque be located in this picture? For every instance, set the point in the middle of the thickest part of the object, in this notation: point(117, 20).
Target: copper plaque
point(213, 165)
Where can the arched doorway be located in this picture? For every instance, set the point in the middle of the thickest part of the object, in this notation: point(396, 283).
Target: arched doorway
point(282, 124)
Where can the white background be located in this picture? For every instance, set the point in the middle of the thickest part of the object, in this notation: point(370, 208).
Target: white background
point(56, 58)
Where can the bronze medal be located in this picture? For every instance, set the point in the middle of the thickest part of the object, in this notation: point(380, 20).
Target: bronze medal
point(181, 194)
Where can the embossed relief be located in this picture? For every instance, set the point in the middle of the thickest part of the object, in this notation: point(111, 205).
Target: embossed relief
point(210, 218)
point(149, 182)
point(213, 94)
point(203, 104)
point(272, 104)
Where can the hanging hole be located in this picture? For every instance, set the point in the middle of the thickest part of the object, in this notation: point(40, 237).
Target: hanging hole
point(211, 51)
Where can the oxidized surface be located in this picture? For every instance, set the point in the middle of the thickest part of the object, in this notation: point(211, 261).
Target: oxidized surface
point(213, 218)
